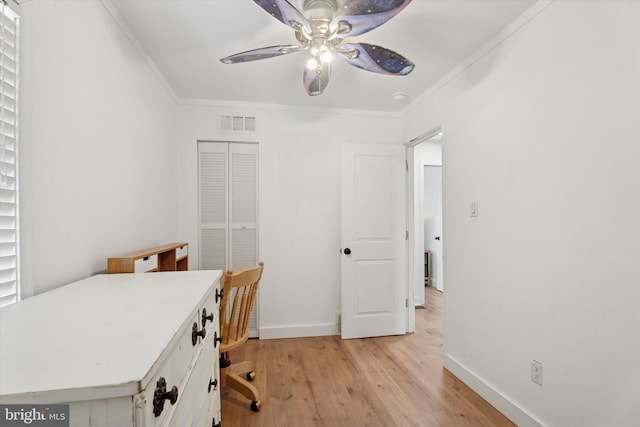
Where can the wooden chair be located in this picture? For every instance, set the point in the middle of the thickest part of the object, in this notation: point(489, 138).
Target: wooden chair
point(239, 294)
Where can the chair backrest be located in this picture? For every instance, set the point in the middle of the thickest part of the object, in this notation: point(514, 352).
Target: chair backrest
point(237, 302)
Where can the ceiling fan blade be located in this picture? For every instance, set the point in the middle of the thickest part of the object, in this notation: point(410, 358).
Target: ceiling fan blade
point(284, 12)
point(315, 81)
point(357, 17)
point(376, 59)
point(262, 53)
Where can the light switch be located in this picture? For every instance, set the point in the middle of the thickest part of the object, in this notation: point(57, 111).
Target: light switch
point(474, 208)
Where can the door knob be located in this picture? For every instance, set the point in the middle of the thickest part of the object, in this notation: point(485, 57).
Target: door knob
point(437, 237)
point(347, 251)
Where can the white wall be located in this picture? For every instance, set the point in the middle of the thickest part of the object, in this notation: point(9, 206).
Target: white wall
point(299, 205)
point(97, 165)
point(543, 132)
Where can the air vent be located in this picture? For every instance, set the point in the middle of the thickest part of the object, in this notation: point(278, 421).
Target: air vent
point(237, 124)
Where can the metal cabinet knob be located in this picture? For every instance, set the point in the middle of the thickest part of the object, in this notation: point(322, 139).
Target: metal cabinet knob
point(219, 294)
point(195, 333)
point(213, 384)
point(161, 394)
point(216, 339)
point(347, 251)
point(205, 317)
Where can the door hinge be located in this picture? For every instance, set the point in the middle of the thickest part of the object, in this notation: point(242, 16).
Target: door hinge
point(406, 165)
point(406, 235)
point(406, 303)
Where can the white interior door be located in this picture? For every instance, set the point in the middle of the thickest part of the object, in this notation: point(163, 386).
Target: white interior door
point(374, 268)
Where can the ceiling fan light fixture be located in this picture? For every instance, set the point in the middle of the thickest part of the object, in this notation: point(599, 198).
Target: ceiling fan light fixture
point(312, 63)
point(320, 29)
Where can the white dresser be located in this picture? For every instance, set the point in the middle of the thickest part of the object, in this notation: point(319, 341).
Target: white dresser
point(105, 344)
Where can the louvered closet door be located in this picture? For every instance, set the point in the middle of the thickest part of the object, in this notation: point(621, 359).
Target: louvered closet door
point(243, 205)
point(229, 208)
point(214, 197)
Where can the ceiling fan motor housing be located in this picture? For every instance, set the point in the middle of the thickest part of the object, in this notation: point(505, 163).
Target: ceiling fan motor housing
point(319, 10)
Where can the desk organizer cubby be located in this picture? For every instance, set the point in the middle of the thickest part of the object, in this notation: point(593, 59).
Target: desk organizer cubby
point(170, 257)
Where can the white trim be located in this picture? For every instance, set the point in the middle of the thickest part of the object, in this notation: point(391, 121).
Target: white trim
point(495, 397)
point(424, 137)
point(285, 107)
point(299, 331)
point(108, 5)
point(507, 32)
point(410, 190)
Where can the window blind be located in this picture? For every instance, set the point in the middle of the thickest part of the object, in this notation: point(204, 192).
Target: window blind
point(9, 274)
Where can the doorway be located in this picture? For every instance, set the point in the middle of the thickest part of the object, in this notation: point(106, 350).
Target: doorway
point(427, 266)
point(432, 220)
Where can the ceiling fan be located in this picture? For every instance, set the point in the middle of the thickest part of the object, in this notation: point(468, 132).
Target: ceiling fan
point(321, 28)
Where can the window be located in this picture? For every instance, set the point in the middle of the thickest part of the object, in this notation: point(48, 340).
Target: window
point(9, 274)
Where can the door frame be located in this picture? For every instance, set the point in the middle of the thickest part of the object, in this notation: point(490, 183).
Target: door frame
point(414, 216)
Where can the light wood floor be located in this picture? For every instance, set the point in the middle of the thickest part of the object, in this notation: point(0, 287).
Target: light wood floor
point(389, 381)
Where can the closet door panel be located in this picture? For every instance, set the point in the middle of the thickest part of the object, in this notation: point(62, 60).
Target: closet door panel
point(213, 197)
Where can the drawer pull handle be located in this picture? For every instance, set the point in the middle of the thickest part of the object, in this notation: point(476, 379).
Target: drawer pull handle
point(195, 333)
point(205, 317)
point(161, 394)
point(219, 294)
point(213, 383)
point(216, 339)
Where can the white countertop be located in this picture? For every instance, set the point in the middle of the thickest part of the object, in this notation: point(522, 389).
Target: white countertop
point(103, 333)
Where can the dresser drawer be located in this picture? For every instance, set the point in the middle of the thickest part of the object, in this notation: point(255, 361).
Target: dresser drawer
point(149, 263)
point(189, 367)
point(200, 399)
point(182, 251)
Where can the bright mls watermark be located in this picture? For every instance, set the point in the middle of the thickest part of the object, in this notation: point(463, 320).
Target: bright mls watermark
point(34, 415)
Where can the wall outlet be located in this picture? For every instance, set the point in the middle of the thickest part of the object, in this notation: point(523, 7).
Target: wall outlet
point(536, 372)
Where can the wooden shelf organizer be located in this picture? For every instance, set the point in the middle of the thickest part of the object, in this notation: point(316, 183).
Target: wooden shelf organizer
point(170, 257)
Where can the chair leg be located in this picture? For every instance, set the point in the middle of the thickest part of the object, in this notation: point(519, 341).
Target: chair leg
point(241, 367)
point(237, 376)
point(242, 386)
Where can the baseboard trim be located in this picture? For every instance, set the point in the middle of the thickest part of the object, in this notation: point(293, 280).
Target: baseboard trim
point(501, 402)
point(302, 331)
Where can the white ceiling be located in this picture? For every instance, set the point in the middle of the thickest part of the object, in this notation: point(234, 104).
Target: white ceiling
point(186, 39)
